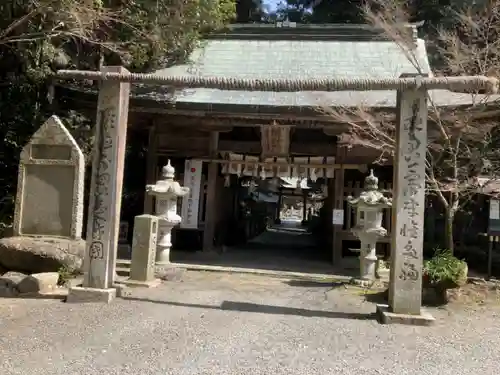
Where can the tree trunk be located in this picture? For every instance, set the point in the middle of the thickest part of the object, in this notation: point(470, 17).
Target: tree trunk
point(448, 231)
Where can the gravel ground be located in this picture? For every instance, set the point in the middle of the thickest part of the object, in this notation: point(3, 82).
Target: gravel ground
point(215, 323)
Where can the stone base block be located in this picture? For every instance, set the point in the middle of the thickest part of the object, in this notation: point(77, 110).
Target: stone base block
point(362, 282)
point(144, 284)
point(82, 294)
point(162, 264)
point(122, 290)
point(385, 316)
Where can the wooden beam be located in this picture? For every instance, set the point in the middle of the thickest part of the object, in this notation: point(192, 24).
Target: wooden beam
point(183, 154)
point(338, 130)
point(240, 147)
point(338, 204)
point(216, 128)
point(173, 142)
point(280, 117)
point(283, 165)
point(151, 167)
point(211, 205)
point(254, 147)
point(214, 121)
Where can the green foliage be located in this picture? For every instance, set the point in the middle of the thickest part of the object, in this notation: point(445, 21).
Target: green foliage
point(161, 33)
point(250, 11)
point(40, 36)
point(444, 268)
point(65, 275)
point(435, 13)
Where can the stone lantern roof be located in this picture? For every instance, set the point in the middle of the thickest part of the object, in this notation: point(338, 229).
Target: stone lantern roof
point(371, 196)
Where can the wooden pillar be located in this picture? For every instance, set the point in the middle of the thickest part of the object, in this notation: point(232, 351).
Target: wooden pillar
point(152, 167)
point(338, 204)
point(304, 208)
point(405, 288)
point(278, 207)
point(211, 205)
point(106, 184)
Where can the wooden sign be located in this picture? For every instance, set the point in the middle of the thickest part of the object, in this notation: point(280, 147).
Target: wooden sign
point(494, 218)
point(275, 140)
point(191, 202)
point(338, 217)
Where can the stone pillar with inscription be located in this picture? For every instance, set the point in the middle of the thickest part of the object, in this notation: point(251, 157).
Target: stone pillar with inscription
point(105, 192)
point(166, 191)
point(142, 268)
point(405, 287)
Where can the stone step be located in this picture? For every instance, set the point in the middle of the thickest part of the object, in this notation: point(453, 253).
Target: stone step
point(123, 267)
point(122, 271)
point(125, 262)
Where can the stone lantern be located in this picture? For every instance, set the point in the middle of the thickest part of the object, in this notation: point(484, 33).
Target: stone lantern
point(369, 210)
point(166, 192)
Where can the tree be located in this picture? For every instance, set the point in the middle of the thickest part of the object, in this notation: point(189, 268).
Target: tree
point(434, 12)
point(248, 11)
point(39, 36)
point(141, 34)
point(322, 11)
point(463, 141)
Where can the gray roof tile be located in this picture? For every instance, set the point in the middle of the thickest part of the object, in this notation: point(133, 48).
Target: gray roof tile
point(301, 56)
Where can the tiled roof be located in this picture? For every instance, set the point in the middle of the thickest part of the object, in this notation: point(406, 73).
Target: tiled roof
point(304, 52)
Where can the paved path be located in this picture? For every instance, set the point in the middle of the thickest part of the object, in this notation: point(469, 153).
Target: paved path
point(285, 247)
point(240, 324)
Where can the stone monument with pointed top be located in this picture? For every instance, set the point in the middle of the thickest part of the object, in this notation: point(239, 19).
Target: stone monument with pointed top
point(49, 204)
point(49, 200)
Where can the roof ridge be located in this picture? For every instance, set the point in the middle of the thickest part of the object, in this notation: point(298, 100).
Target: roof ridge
point(263, 31)
point(320, 26)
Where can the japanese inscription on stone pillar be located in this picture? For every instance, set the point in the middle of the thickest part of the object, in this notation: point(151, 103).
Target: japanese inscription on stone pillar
point(408, 205)
point(105, 189)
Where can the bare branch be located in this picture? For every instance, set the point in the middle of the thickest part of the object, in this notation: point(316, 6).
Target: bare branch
point(462, 140)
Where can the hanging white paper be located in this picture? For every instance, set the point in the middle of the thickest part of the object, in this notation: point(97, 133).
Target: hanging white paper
point(494, 209)
point(338, 217)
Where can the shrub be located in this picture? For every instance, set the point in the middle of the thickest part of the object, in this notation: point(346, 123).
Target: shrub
point(445, 270)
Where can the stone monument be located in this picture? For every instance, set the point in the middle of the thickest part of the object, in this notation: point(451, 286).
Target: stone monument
point(369, 206)
point(405, 287)
point(142, 268)
point(49, 204)
point(166, 191)
point(49, 199)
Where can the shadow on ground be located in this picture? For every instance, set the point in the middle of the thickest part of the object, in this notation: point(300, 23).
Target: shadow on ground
point(377, 297)
point(313, 284)
point(61, 297)
point(264, 309)
point(382, 297)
